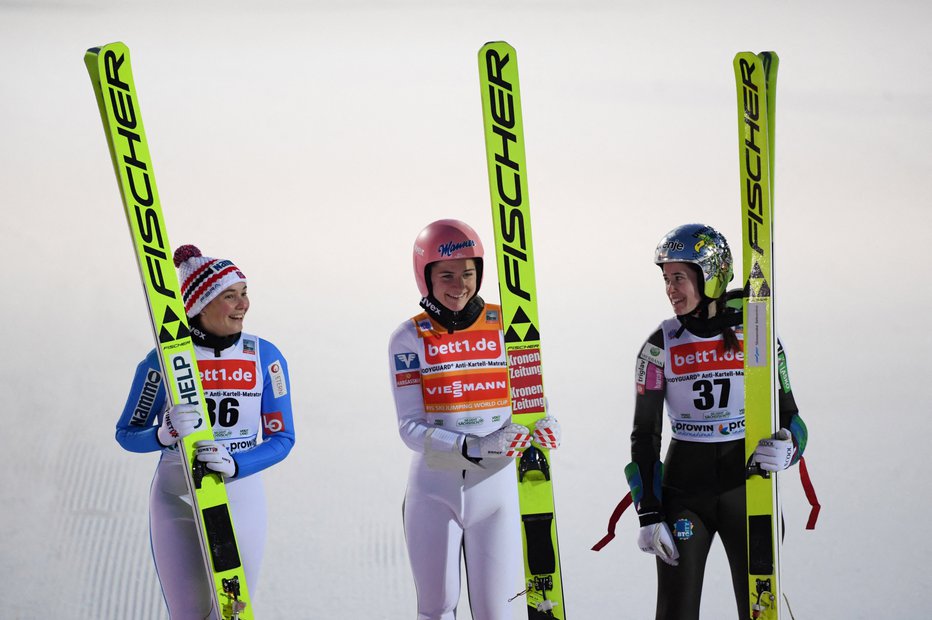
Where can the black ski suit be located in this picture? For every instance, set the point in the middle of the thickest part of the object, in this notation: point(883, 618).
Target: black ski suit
point(702, 490)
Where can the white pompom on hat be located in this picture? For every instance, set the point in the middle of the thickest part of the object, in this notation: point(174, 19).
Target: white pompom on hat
point(203, 278)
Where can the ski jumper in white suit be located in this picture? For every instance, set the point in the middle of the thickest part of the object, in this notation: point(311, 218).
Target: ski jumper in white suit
point(448, 383)
point(246, 389)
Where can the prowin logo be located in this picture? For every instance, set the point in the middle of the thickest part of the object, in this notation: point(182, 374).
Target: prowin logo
point(238, 446)
point(689, 427)
point(508, 174)
point(731, 427)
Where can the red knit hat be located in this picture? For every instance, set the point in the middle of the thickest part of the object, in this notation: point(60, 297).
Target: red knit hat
point(203, 278)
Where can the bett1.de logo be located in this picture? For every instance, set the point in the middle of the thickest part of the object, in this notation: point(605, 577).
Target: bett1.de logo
point(227, 374)
point(463, 346)
point(703, 356)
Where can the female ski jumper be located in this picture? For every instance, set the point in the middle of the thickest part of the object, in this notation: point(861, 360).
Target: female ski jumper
point(694, 363)
point(450, 383)
point(247, 393)
point(445, 386)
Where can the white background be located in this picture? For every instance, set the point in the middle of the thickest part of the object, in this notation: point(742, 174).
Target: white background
point(310, 142)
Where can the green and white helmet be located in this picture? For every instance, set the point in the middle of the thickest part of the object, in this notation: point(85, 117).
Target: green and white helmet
point(704, 247)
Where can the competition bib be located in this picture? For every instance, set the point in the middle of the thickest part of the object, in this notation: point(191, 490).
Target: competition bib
point(233, 394)
point(704, 386)
point(464, 375)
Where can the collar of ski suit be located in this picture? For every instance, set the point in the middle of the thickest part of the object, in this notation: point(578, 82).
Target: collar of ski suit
point(202, 338)
point(450, 319)
point(728, 314)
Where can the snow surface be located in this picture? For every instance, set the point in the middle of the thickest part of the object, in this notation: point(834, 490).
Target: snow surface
point(310, 141)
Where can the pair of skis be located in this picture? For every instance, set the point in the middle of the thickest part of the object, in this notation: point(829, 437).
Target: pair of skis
point(756, 78)
point(511, 217)
point(756, 81)
point(112, 77)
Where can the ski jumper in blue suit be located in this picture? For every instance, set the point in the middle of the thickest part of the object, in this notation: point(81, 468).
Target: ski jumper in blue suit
point(247, 396)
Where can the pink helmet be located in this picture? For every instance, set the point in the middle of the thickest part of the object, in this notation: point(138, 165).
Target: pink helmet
point(444, 240)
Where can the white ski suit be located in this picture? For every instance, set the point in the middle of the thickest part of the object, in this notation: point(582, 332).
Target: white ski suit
point(448, 384)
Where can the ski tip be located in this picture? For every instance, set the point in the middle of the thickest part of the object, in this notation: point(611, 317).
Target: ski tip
point(769, 57)
point(498, 45)
point(762, 55)
point(97, 48)
point(117, 46)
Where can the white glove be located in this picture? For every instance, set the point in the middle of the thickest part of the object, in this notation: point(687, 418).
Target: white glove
point(216, 457)
point(178, 422)
point(775, 454)
point(547, 433)
point(506, 442)
point(656, 538)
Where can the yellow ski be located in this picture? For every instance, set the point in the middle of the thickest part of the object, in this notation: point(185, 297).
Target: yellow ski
point(112, 78)
point(756, 80)
point(504, 141)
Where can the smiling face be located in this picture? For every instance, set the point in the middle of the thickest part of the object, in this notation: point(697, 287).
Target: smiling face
point(453, 282)
point(223, 316)
point(682, 288)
